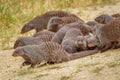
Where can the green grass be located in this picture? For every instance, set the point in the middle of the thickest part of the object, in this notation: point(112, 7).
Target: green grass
point(87, 65)
point(15, 13)
point(97, 69)
point(41, 75)
point(64, 78)
point(49, 67)
point(25, 72)
point(113, 64)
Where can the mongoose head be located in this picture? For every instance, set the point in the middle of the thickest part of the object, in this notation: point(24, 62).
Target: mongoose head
point(18, 52)
point(23, 41)
point(53, 24)
point(18, 43)
point(104, 18)
point(27, 27)
point(87, 41)
point(31, 25)
point(91, 42)
point(80, 40)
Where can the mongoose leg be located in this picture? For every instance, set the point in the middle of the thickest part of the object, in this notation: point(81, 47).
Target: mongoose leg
point(25, 63)
point(107, 46)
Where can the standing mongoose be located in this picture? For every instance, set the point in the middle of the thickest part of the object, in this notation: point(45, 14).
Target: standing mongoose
point(23, 41)
point(48, 52)
point(58, 37)
point(44, 32)
point(40, 22)
point(69, 41)
point(55, 23)
point(108, 34)
point(104, 18)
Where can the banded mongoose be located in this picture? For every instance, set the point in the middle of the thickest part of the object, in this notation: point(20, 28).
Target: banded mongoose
point(44, 32)
point(55, 23)
point(108, 34)
point(58, 37)
point(87, 42)
point(23, 41)
point(40, 22)
point(104, 18)
point(69, 41)
point(48, 52)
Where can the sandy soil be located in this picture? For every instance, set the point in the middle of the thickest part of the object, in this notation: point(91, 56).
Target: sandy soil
point(105, 66)
point(101, 66)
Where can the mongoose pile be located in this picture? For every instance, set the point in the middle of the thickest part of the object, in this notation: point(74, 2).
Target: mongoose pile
point(67, 37)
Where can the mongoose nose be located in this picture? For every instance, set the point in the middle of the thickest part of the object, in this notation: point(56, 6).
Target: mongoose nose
point(14, 54)
point(90, 45)
point(80, 43)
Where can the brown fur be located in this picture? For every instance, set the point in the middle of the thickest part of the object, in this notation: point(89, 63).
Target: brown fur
point(48, 52)
point(58, 37)
point(40, 22)
point(69, 41)
point(104, 18)
point(33, 40)
point(55, 22)
point(117, 15)
point(49, 33)
point(108, 34)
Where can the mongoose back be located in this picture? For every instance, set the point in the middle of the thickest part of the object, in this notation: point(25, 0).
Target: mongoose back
point(69, 41)
point(107, 34)
point(55, 23)
point(48, 52)
point(44, 32)
point(40, 22)
point(104, 18)
point(58, 37)
point(23, 41)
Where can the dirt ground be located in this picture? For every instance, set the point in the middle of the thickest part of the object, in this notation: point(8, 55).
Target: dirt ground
point(101, 66)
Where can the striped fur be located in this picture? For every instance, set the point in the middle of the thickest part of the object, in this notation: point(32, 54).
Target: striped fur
point(55, 22)
point(40, 22)
point(40, 33)
point(48, 52)
point(32, 40)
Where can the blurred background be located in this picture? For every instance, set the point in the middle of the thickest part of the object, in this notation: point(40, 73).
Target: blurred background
point(15, 13)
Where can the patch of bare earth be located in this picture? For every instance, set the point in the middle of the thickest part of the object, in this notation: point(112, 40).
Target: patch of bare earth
point(101, 66)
